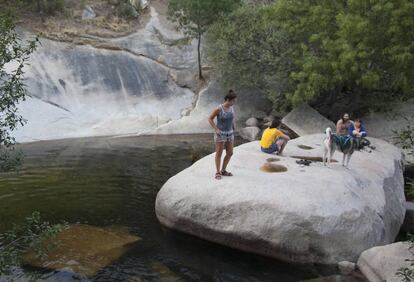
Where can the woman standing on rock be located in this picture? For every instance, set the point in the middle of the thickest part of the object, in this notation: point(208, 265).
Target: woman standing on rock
point(224, 132)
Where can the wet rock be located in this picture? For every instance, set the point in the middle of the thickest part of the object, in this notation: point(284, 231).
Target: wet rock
point(252, 122)
point(250, 133)
point(381, 263)
point(311, 215)
point(304, 120)
point(88, 13)
point(84, 249)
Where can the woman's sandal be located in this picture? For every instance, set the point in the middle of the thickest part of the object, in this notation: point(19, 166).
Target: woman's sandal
point(218, 176)
point(226, 173)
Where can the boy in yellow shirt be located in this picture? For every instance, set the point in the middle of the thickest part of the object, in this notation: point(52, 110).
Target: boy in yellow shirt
point(273, 140)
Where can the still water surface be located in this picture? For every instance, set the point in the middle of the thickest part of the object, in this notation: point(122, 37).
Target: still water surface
point(113, 182)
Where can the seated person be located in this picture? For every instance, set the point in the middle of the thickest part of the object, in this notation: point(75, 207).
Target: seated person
point(342, 126)
point(273, 140)
point(358, 132)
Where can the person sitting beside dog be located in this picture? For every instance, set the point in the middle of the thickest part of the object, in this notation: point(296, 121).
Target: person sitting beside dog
point(273, 140)
point(358, 132)
point(343, 125)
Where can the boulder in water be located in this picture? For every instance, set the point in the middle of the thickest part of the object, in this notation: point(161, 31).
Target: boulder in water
point(382, 263)
point(305, 214)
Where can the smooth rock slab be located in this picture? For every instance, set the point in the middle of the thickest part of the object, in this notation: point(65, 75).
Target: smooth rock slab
point(307, 214)
point(382, 263)
point(305, 120)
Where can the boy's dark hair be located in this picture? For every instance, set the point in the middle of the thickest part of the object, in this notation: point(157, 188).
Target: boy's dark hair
point(231, 95)
point(275, 123)
point(358, 119)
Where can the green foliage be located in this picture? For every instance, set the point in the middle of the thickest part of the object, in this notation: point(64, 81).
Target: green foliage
point(193, 17)
point(127, 11)
point(14, 55)
point(248, 49)
point(51, 7)
point(357, 47)
point(10, 159)
point(405, 138)
point(31, 236)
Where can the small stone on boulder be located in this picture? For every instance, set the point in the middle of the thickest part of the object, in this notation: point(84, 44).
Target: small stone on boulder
point(252, 122)
point(250, 133)
point(381, 263)
point(305, 120)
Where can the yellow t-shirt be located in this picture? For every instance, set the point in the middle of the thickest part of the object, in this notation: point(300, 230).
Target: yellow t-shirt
point(269, 137)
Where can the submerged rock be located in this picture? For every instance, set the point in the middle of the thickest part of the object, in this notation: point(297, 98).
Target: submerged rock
point(382, 263)
point(84, 249)
point(306, 214)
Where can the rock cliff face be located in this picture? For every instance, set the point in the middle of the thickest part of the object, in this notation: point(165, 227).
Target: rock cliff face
point(133, 84)
point(301, 214)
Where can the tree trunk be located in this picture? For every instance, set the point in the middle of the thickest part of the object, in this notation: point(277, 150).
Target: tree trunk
point(200, 74)
point(40, 5)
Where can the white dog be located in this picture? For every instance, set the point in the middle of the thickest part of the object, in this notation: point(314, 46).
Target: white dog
point(333, 142)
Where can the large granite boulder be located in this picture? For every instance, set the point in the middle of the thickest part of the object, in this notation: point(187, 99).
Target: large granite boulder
point(301, 214)
point(382, 263)
point(305, 120)
point(385, 124)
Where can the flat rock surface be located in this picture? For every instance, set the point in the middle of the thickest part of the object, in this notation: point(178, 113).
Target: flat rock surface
point(300, 214)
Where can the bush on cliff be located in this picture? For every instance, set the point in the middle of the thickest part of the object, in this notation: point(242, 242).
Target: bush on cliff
point(305, 51)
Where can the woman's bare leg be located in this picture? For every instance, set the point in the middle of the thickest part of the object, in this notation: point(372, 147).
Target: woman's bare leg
point(281, 144)
point(229, 153)
point(219, 152)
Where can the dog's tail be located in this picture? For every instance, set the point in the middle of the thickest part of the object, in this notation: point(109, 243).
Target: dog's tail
point(328, 133)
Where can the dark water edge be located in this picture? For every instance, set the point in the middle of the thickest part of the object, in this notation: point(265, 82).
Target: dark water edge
point(106, 181)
